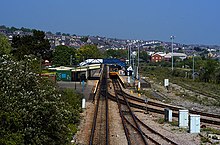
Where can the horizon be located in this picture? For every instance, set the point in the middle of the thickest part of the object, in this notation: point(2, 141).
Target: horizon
point(192, 22)
point(110, 37)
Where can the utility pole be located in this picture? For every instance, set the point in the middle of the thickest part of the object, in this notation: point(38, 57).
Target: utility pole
point(138, 63)
point(128, 57)
point(71, 59)
point(172, 38)
point(193, 68)
point(75, 74)
point(138, 77)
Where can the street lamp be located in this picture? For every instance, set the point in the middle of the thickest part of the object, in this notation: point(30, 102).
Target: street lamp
point(138, 62)
point(193, 67)
point(138, 77)
point(128, 62)
point(75, 69)
point(172, 38)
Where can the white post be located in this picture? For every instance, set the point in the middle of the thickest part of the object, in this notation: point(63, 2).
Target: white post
point(83, 103)
point(129, 79)
point(139, 86)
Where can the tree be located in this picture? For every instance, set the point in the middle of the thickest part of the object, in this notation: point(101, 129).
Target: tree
point(217, 74)
point(116, 53)
point(58, 33)
point(207, 71)
point(32, 109)
point(159, 48)
point(62, 55)
point(35, 45)
point(144, 56)
point(5, 47)
point(84, 39)
point(88, 51)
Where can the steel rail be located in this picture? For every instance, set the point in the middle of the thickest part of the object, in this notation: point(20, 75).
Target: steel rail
point(171, 107)
point(214, 122)
point(122, 118)
point(155, 132)
point(94, 121)
point(148, 137)
point(132, 114)
point(101, 93)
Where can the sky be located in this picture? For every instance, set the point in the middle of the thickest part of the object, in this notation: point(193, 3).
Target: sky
point(190, 21)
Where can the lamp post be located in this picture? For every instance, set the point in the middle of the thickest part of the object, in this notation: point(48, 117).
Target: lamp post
point(138, 63)
point(128, 57)
point(172, 38)
point(138, 77)
point(71, 60)
point(193, 67)
point(75, 69)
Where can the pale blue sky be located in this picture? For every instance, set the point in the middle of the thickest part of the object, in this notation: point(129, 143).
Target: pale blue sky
point(191, 21)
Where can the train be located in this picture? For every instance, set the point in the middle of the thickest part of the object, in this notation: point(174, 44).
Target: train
point(113, 71)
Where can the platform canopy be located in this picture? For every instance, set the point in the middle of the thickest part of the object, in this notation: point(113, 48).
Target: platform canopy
point(114, 61)
point(78, 68)
point(110, 61)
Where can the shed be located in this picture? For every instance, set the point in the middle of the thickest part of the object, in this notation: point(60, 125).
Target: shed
point(64, 73)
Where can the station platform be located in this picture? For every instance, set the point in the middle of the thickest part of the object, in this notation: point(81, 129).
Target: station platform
point(87, 89)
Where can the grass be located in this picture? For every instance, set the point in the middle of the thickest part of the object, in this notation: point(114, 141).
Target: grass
point(160, 120)
point(174, 123)
point(158, 74)
point(211, 130)
point(204, 139)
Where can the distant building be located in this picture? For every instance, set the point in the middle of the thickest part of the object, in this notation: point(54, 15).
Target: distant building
point(181, 56)
point(157, 57)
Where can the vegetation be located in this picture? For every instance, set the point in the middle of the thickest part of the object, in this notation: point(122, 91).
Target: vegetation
point(206, 80)
point(5, 47)
point(33, 111)
point(84, 39)
point(211, 130)
point(160, 120)
point(174, 123)
point(88, 51)
point(12, 29)
point(35, 45)
point(144, 56)
point(110, 53)
point(62, 55)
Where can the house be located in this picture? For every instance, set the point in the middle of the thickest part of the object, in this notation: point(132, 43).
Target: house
point(157, 57)
point(168, 56)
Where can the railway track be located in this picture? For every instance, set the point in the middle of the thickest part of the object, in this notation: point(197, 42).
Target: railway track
point(153, 137)
point(100, 130)
point(135, 130)
point(134, 134)
point(161, 110)
point(149, 134)
point(174, 108)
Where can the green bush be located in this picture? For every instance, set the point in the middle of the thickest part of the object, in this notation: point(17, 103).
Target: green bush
point(33, 111)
